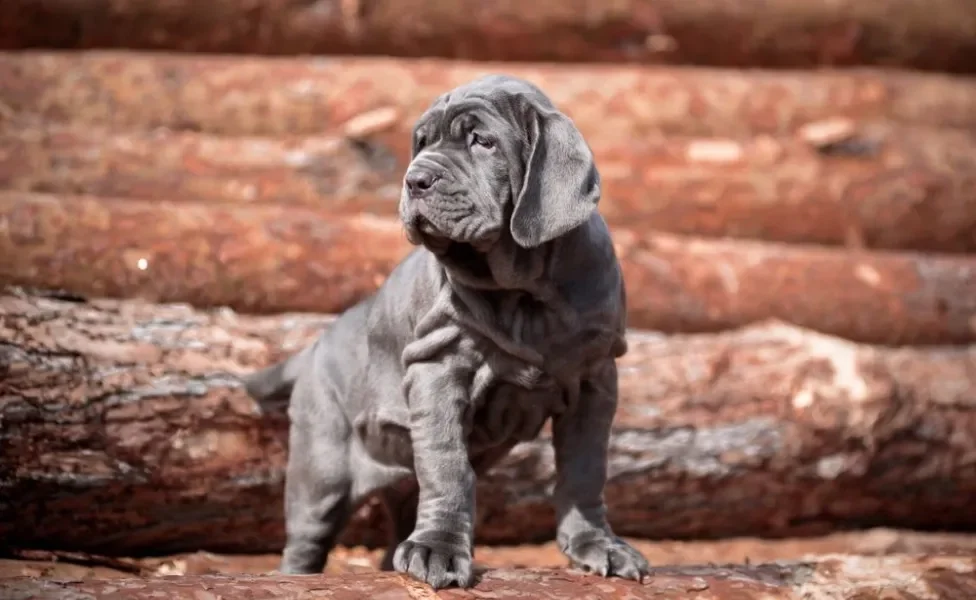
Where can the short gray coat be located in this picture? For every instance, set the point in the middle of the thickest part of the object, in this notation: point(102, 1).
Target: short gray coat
point(510, 311)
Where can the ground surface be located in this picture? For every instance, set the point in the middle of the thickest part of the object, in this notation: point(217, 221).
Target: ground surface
point(359, 559)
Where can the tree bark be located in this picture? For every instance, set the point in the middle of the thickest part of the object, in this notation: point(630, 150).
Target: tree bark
point(260, 259)
point(268, 258)
point(837, 577)
point(883, 187)
point(126, 431)
point(60, 564)
point(778, 33)
point(334, 172)
point(265, 96)
point(685, 284)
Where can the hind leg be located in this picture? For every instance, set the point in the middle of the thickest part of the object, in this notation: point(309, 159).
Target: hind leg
point(400, 501)
point(317, 488)
point(315, 514)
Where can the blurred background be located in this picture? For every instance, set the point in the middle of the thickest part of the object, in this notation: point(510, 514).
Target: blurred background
point(189, 189)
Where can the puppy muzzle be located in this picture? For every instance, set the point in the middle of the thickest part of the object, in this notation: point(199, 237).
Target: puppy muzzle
point(419, 229)
point(430, 201)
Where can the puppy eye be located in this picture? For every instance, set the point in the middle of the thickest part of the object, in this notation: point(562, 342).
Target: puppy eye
point(481, 141)
point(421, 142)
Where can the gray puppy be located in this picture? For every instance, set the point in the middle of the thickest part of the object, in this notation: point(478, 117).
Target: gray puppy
point(511, 311)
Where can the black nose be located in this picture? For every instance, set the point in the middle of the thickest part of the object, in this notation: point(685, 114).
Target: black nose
point(419, 181)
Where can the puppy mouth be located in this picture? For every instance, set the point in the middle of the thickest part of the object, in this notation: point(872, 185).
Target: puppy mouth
point(445, 247)
point(465, 255)
point(420, 231)
point(424, 226)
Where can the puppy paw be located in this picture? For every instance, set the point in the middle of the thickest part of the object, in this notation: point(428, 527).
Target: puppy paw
point(607, 555)
point(438, 564)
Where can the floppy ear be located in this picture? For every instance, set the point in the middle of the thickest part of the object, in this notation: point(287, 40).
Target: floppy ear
point(561, 186)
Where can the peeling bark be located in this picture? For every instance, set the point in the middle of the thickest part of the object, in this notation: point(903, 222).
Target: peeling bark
point(879, 187)
point(270, 258)
point(266, 96)
point(831, 577)
point(126, 431)
point(59, 564)
point(935, 35)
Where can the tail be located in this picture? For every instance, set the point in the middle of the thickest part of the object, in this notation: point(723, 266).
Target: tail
point(275, 383)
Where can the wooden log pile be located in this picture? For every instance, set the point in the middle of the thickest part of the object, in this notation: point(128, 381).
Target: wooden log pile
point(776, 33)
point(827, 577)
point(138, 410)
point(272, 258)
point(799, 247)
point(233, 95)
point(874, 542)
point(888, 187)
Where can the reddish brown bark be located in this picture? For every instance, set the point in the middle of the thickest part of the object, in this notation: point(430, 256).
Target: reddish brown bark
point(238, 95)
point(270, 258)
point(883, 187)
point(888, 187)
point(126, 431)
point(333, 172)
point(259, 258)
point(686, 284)
point(60, 564)
point(777, 33)
point(836, 577)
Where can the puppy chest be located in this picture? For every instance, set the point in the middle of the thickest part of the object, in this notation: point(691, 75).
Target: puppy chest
point(508, 412)
point(528, 321)
point(562, 339)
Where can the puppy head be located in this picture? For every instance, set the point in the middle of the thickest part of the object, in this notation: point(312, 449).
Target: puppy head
point(495, 158)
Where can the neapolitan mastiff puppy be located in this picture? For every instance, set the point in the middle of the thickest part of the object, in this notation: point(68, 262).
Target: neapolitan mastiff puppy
point(511, 311)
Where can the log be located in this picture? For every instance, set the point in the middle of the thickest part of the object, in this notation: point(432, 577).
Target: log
point(276, 96)
point(260, 259)
point(685, 284)
point(777, 33)
point(886, 187)
point(60, 564)
point(126, 431)
point(267, 258)
point(837, 577)
point(313, 171)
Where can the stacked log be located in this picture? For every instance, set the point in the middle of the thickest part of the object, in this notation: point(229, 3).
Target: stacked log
point(695, 152)
point(126, 430)
point(360, 96)
point(885, 187)
point(793, 237)
point(333, 172)
point(875, 542)
point(270, 258)
point(830, 576)
point(777, 33)
point(260, 259)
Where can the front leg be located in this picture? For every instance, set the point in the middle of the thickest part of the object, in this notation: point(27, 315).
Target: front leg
point(580, 439)
point(439, 551)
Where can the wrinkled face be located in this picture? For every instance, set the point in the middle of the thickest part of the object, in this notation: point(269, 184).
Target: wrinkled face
point(466, 163)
